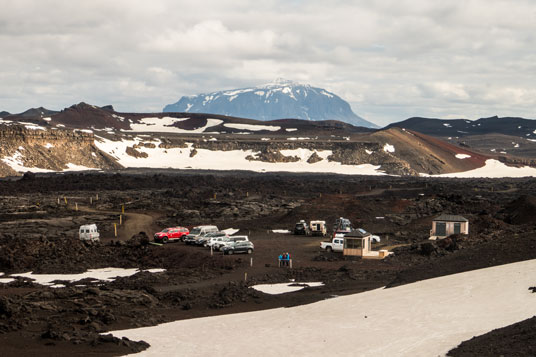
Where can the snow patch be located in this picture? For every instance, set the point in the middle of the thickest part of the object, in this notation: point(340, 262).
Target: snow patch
point(329, 95)
point(34, 127)
point(283, 231)
point(165, 124)
point(388, 148)
point(252, 127)
point(74, 167)
point(300, 138)
point(48, 145)
point(493, 169)
point(291, 129)
point(462, 156)
point(104, 274)
point(282, 288)
point(16, 163)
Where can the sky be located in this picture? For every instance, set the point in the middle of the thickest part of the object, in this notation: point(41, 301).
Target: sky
point(389, 59)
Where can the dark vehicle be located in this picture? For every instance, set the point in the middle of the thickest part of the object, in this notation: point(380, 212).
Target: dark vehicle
point(341, 227)
point(302, 228)
point(170, 234)
point(239, 247)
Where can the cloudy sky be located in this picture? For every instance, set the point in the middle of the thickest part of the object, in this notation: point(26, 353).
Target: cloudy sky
point(389, 59)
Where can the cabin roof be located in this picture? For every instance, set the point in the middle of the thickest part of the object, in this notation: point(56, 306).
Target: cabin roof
point(358, 233)
point(451, 218)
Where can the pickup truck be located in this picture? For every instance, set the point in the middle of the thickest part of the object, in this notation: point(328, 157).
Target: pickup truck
point(336, 245)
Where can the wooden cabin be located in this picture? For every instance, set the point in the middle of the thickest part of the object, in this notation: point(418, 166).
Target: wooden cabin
point(447, 224)
point(357, 243)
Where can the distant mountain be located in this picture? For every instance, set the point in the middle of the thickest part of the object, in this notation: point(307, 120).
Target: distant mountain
point(519, 127)
point(281, 99)
point(4, 114)
point(37, 113)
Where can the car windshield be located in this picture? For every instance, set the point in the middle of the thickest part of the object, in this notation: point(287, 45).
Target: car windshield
point(195, 231)
point(165, 230)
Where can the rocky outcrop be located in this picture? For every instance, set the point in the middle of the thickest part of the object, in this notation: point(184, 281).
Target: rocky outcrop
point(314, 158)
point(272, 156)
point(516, 161)
point(49, 150)
point(135, 153)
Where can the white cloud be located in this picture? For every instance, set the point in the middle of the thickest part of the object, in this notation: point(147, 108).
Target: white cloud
point(390, 59)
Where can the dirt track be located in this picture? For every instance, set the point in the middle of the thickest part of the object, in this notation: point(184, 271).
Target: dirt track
point(42, 238)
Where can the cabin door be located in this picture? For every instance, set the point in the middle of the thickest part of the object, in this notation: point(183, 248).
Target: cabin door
point(441, 229)
point(457, 229)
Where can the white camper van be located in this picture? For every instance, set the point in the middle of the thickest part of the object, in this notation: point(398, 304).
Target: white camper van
point(89, 232)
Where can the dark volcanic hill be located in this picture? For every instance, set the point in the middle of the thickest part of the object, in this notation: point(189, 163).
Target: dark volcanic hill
point(519, 127)
point(278, 100)
point(503, 136)
point(37, 113)
point(87, 116)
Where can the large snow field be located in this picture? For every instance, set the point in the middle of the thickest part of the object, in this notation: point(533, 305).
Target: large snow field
point(179, 158)
point(426, 318)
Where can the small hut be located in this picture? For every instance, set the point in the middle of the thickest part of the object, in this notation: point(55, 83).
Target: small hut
point(447, 224)
point(357, 243)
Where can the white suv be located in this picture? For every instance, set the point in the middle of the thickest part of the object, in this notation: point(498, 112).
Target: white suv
point(214, 241)
point(89, 232)
point(229, 241)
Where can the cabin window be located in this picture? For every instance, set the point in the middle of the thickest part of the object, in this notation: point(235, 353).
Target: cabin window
point(353, 243)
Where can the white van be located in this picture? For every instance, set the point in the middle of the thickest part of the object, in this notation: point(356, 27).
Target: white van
point(89, 232)
point(199, 231)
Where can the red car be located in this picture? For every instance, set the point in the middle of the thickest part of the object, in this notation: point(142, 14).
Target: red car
point(170, 234)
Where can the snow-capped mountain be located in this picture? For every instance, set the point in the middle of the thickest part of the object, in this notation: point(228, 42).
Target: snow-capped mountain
point(280, 99)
